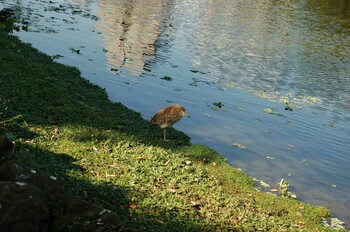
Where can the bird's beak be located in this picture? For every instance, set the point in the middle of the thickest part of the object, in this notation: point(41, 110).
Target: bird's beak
point(183, 113)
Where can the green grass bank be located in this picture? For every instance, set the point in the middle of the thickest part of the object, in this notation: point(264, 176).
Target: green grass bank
point(107, 154)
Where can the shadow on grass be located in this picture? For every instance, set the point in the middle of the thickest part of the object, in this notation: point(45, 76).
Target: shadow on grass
point(104, 193)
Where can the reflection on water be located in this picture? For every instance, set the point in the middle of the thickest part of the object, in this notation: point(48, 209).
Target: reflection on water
point(129, 32)
point(294, 48)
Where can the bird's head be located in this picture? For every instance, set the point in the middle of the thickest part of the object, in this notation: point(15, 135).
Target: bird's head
point(183, 113)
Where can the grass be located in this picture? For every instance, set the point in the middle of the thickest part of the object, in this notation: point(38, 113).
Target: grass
point(107, 154)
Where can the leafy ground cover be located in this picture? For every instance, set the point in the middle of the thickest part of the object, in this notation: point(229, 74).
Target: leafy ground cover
point(107, 154)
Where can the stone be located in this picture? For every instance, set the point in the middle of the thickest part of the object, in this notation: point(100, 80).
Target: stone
point(22, 208)
point(67, 211)
point(12, 170)
point(89, 217)
point(6, 146)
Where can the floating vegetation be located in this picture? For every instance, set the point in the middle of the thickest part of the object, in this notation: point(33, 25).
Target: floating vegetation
point(147, 69)
point(71, 9)
point(305, 162)
point(194, 83)
point(260, 94)
point(197, 71)
point(231, 85)
point(240, 108)
point(309, 99)
point(334, 223)
point(59, 8)
point(290, 123)
point(222, 88)
point(332, 125)
point(270, 111)
point(166, 78)
point(93, 17)
point(77, 51)
point(77, 11)
point(267, 110)
point(264, 184)
point(284, 100)
point(68, 22)
point(287, 99)
point(57, 56)
point(241, 146)
point(288, 108)
point(218, 104)
point(276, 97)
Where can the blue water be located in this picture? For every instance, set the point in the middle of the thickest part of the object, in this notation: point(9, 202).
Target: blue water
point(248, 55)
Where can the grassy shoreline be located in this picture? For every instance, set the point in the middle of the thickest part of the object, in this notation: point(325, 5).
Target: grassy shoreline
point(107, 154)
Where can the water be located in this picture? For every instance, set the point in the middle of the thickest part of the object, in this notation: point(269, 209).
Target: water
point(248, 55)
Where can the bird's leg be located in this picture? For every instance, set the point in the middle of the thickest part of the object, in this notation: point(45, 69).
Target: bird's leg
point(165, 135)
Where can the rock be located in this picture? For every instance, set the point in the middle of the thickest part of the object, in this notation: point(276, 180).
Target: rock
point(6, 146)
point(68, 212)
point(89, 217)
point(22, 208)
point(14, 171)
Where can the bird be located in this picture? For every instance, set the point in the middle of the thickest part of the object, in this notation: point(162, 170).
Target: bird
point(168, 116)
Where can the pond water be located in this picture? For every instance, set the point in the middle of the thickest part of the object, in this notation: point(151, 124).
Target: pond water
point(279, 70)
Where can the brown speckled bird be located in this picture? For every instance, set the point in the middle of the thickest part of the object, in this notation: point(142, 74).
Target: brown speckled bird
point(166, 117)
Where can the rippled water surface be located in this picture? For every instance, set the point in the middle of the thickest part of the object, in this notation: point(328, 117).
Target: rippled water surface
point(252, 57)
